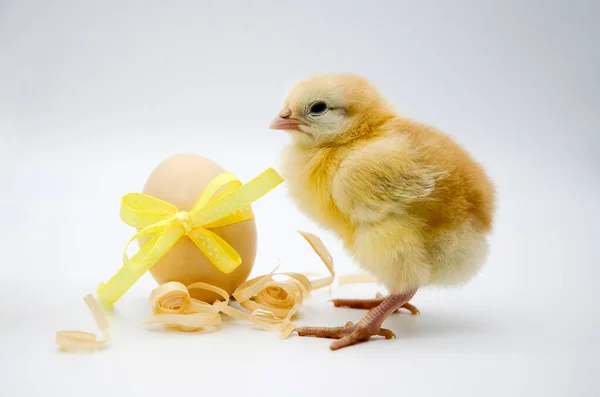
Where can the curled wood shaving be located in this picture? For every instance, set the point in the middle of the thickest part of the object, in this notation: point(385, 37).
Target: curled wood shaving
point(68, 340)
point(173, 307)
point(269, 303)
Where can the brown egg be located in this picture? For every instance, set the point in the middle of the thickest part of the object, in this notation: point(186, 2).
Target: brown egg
point(180, 180)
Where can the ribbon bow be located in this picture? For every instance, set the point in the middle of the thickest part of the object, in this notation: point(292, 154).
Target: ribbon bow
point(167, 225)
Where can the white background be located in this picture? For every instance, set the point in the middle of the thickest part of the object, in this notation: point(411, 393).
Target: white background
point(94, 95)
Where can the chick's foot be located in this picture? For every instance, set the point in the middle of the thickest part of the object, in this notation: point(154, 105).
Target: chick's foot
point(368, 304)
point(369, 326)
point(346, 335)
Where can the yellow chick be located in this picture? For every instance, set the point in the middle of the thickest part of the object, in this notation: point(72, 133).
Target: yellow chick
point(411, 206)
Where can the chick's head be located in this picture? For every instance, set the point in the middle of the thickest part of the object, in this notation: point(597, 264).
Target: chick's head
point(331, 109)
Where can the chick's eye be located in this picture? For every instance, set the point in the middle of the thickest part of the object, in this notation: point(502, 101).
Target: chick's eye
point(318, 108)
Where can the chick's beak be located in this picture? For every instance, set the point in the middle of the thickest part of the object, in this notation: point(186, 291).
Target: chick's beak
point(284, 121)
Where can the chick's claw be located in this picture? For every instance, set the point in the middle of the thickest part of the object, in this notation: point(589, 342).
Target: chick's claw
point(411, 308)
point(347, 335)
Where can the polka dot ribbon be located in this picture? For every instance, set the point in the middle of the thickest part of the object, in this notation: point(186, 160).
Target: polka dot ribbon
point(224, 201)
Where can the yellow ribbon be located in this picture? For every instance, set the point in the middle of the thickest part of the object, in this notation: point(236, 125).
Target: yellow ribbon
point(167, 225)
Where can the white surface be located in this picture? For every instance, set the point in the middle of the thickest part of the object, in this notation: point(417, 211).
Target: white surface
point(94, 97)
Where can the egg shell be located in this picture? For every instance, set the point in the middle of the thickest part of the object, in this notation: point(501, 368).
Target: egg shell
point(180, 180)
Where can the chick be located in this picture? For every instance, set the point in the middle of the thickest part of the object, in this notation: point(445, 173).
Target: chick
point(412, 206)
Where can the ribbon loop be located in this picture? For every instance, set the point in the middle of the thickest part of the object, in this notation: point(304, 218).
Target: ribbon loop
point(140, 210)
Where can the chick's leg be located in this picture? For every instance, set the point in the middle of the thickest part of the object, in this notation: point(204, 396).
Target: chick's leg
point(370, 304)
point(368, 326)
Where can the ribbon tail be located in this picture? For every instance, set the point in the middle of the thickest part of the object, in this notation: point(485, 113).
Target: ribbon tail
point(245, 215)
point(218, 251)
point(154, 229)
point(134, 268)
point(152, 251)
point(237, 201)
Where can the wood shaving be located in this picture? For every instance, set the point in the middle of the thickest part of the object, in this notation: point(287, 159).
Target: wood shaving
point(173, 307)
point(269, 303)
point(84, 341)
